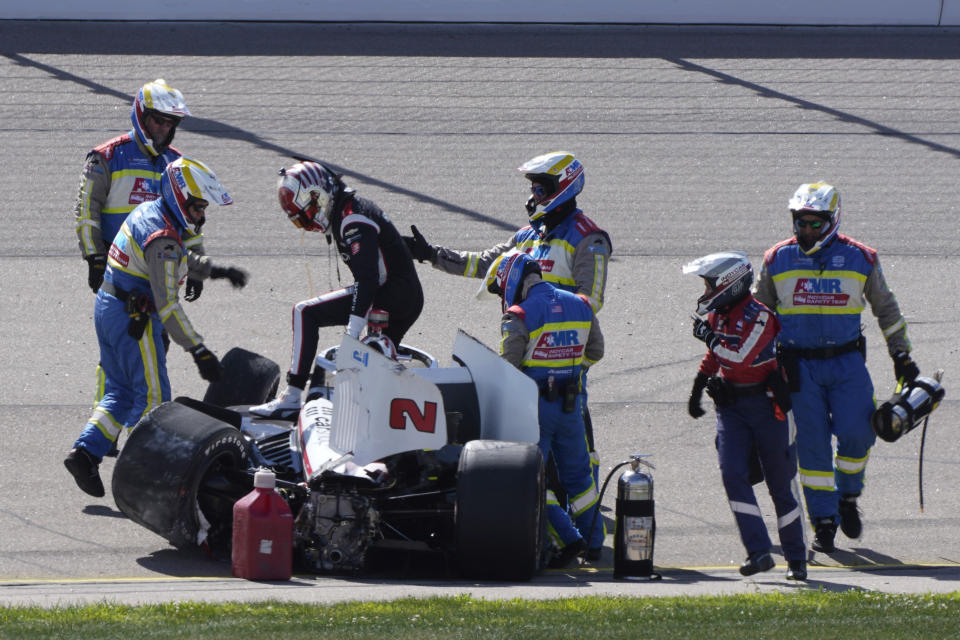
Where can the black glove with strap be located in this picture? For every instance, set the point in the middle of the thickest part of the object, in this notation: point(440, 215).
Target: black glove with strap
point(193, 289)
point(96, 267)
point(207, 363)
point(696, 394)
point(904, 368)
point(237, 277)
point(420, 249)
point(702, 331)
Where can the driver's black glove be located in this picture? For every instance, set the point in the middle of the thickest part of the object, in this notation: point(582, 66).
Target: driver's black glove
point(193, 289)
point(702, 331)
point(96, 266)
point(696, 394)
point(237, 277)
point(420, 249)
point(904, 368)
point(207, 363)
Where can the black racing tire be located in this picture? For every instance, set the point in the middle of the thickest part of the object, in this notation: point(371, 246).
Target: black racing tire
point(247, 379)
point(500, 513)
point(176, 464)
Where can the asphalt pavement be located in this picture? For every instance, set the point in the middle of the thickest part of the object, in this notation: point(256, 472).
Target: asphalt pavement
point(693, 139)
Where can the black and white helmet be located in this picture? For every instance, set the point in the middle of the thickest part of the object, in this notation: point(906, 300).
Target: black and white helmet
point(728, 276)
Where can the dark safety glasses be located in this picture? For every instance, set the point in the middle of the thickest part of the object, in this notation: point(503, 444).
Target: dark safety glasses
point(162, 119)
point(813, 224)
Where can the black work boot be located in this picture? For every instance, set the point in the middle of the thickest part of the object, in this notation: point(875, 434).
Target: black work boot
point(824, 529)
point(850, 522)
point(566, 555)
point(757, 562)
point(797, 570)
point(81, 465)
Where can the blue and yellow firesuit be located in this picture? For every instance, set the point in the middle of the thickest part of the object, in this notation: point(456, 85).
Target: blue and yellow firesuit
point(553, 336)
point(146, 265)
point(819, 299)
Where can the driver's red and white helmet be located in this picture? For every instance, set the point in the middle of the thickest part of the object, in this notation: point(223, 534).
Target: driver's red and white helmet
point(306, 191)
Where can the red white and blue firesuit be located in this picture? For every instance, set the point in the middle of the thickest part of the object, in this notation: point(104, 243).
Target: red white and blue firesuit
point(118, 176)
point(819, 299)
point(553, 336)
point(573, 256)
point(147, 262)
point(748, 418)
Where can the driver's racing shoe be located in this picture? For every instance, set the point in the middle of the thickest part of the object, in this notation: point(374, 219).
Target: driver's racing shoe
point(850, 522)
point(286, 406)
point(81, 465)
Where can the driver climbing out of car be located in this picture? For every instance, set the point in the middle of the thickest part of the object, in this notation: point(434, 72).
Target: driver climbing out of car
point(553, 336)
point(314, 198)
point(138, 299)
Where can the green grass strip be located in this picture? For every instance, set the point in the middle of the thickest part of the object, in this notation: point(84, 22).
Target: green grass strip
point(805, 614)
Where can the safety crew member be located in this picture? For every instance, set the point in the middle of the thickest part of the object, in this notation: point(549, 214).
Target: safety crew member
point(752, 405)
point(125, 172)
point(573, 252)
point(315, 198)
point(553, 336)
point(818, 283)
point(138, 298)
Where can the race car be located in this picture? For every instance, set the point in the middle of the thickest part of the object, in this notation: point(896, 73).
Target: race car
point(402, 455)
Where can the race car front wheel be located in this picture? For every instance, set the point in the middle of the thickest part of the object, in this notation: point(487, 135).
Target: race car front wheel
point(247, 379)
point(179, 474)
point(500, 510)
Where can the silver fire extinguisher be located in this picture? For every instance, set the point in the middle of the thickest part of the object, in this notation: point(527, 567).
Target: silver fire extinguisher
point(636, 525)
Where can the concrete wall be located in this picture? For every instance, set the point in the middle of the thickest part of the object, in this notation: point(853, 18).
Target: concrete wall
point(812, 12)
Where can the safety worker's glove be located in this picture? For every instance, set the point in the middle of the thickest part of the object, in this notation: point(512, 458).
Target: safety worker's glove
point(192, 289)
point(904, 368)
point(696, 395)
point(207, 363)
point(702, 331)
point(96, 267)
point(420, 249)
point(237, 277)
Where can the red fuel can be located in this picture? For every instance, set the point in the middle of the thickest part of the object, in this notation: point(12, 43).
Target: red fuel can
point(262, 532)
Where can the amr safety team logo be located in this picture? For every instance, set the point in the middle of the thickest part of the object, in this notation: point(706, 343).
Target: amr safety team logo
point(144, 190)
point(558, 345)
point(822, 292)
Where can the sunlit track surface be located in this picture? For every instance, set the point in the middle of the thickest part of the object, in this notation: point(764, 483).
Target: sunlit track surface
point(676, 581)
point(692, 139)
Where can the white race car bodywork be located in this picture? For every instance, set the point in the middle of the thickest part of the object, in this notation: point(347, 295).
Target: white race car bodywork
point(381, 407)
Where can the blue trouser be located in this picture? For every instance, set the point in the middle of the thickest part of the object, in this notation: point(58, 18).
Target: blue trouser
point(591, 438)
point(835, 399)
point(134, 375)
point(563, 434)
point(748, 421)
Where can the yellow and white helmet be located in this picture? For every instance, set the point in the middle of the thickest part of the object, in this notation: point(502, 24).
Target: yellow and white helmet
point(555, 178)
point(186, 182)
point(160, 98)
point(819, 199)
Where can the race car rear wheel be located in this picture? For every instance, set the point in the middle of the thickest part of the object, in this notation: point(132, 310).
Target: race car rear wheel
point(248, 378)
point(180, 473)
point(500, 510)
